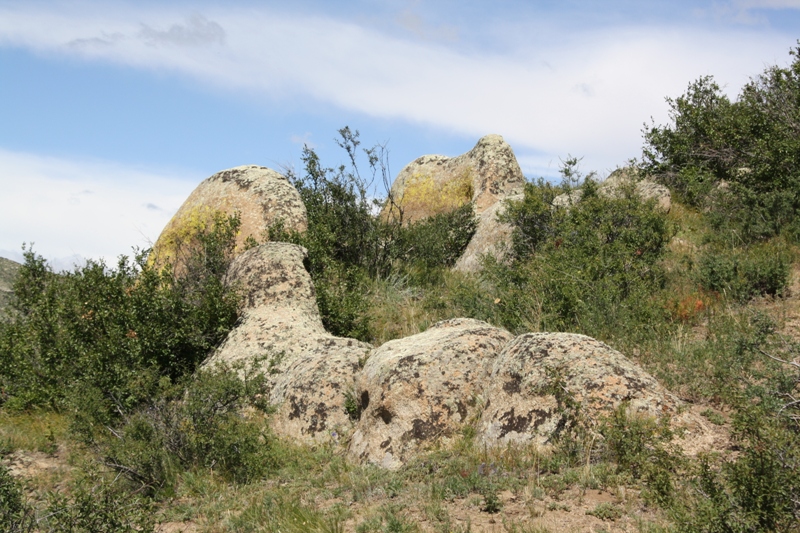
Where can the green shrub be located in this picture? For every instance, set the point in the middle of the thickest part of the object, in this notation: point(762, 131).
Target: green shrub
point(96, 505)
point(640, 447)
point(757, 491)
point(739, 159)
point(593, 268)
point(744, 273)
point(423, 247)
point(98, 339)
point(349, 245)
point(16, 516)
point(195, 424)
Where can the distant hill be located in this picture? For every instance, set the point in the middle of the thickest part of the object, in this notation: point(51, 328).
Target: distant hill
point(8, 273)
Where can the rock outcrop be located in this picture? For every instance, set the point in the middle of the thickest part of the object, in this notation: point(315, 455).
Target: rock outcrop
point(422, 389)
point(391, 402)
point(613, 186)
point(259, 195)
point(433, 184)
point(541, 381)
point(308, 369)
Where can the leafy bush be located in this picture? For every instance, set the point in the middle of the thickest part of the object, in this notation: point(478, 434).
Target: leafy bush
point(98, 339)
point(758, 491)
point(640, 447)
point(16, 516)
point(744, 273)
point(96, 505)
point(593, 267)
point(349, 245)
point(739, 159)
point(197, 423)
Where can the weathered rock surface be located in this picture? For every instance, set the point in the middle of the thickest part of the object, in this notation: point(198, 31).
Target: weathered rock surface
point(260, 195)
point(308, 369)
point(433, 184)
point(421, 389)
point(613, 186)
point(418, 392)
point(491, 237)
point(539, 378)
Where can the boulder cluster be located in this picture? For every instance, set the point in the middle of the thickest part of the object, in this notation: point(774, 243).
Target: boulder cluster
point(390, 402)
point(387, 403)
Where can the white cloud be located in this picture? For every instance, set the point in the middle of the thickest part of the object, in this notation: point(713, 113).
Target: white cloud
point(585, 92)
point(83, 208)
point(768, 4)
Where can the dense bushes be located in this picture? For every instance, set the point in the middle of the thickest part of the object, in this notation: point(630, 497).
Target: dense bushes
point(593, 267)
point(197, 423)
point(349, 247)
point(739, 159)
point(743, 273)
point(100, 338)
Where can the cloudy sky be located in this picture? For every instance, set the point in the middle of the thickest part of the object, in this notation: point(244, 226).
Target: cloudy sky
point(112, 112)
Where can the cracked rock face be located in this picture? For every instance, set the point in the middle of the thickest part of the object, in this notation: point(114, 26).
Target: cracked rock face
point(280, 330)
point(260, 195)
point(539, 378)
point(422, 389)
point(486, 175)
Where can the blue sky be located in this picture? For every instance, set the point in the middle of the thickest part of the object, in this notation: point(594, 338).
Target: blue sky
point(112, 112)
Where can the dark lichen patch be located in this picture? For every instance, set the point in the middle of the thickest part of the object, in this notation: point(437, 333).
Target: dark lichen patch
point(384, 414)
point(424, 429)
point(513, 385)
point(462, 410)
point(298, 407)
point(512, 422)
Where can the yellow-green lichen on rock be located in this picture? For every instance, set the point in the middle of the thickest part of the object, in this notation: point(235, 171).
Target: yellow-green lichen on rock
point(484, 176)
point(260, 197)
point(426, 196)
point(180, 235)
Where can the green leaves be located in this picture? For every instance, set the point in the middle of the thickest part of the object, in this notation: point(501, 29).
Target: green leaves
point(739, 160)
point(100, 337)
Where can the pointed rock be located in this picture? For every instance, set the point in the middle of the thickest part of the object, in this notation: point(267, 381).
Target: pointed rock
point(433, 184)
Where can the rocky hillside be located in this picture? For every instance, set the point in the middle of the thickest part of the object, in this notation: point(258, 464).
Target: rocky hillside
point(488, 354)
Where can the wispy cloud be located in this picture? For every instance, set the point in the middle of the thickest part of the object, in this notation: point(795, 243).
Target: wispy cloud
point(197, 30)
point(587, 92)
point(747, 12)
point(89, 208)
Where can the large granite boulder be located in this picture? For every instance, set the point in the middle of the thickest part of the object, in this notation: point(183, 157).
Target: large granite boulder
point(541, 383)
point(613, 187)
point(434, 184)
point(415, 393)
point(420, 390)
point(280, 331)
point(261, 197)
point(485, 176)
